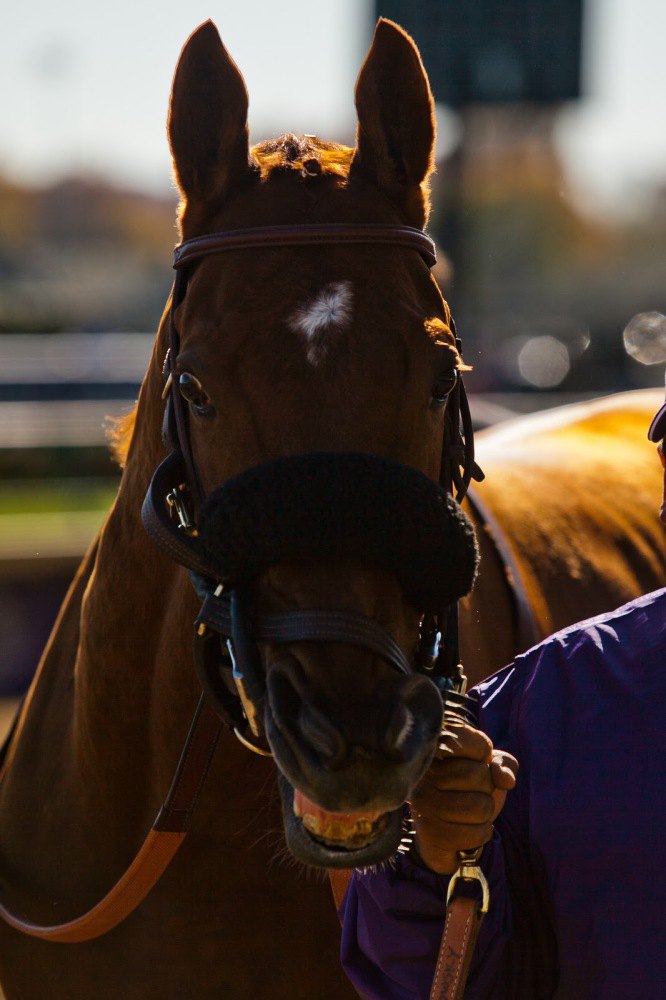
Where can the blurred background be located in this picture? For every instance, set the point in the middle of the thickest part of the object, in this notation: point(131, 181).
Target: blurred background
point(549, 206)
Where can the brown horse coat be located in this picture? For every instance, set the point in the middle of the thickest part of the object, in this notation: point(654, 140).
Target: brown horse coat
point(575, 491)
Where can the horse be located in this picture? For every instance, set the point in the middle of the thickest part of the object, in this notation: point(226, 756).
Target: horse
point(568, 511)
point(307, 363)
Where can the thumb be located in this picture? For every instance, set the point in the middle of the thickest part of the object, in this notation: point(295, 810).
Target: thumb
point(503, 770)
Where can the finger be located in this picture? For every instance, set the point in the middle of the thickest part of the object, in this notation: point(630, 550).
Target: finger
point(499, 798)
point(434, 835)
point(461, 740)
point(468, 808)
point(503, 770)
point(456, 775)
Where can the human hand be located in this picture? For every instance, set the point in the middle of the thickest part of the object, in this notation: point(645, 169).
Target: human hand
point(459, 797)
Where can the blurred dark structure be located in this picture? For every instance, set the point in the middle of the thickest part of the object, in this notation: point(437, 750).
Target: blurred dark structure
point(495, 51)
point(30, 596)
point(77, 259)
point(83, 254)
point(541, 289)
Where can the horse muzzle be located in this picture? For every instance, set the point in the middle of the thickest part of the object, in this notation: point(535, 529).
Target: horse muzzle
point(346, 794)
point(347, 764)
point(321, 508)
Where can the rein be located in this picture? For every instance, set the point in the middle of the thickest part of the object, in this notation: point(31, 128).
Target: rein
point(226, 614)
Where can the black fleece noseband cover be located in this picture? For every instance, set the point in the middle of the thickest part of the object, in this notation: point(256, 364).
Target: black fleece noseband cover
point(345, 506)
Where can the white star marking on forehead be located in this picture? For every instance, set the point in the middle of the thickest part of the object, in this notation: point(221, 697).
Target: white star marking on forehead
point(330, 309)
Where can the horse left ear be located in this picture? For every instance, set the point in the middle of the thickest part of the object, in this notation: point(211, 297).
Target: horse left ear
point(208, 131)
point(396, 121)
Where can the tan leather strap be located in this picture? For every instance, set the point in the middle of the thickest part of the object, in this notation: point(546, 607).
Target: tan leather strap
point(461, 929)
point(167, 834)
point(339, 879)
point(156, 852)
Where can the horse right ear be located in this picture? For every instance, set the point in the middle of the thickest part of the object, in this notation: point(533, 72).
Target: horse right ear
point(396, 121)
point(208, 131)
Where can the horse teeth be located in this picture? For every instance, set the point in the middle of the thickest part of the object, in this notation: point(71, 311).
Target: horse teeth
point(336, 829)
point(310, 823)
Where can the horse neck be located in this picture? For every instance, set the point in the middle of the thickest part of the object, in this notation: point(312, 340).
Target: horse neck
point(135, 686)
point(107, 715)
point(115, 692)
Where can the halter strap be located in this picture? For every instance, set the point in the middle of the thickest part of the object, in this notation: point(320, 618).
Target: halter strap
point(158, 849)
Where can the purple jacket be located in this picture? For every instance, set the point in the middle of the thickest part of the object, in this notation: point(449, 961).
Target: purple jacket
point(577, 867)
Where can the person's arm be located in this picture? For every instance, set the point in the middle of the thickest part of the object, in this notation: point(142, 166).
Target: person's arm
point(393, 917)
point(392, 923)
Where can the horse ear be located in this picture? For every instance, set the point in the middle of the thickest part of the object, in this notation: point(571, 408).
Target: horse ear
point(396, 121)
point(208, 131)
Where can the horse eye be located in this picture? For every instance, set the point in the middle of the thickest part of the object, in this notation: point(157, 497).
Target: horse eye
point(444, 386)
point(192, 390)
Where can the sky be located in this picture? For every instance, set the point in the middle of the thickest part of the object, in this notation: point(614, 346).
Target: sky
point(85, 85)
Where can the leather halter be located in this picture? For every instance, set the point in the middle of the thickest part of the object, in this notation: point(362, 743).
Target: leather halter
point(441, 661)
point(172, 822)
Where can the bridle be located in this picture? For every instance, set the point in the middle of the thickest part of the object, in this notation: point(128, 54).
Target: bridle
point(175, 492)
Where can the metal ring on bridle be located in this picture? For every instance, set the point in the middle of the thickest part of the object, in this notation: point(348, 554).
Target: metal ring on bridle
point(251, 746)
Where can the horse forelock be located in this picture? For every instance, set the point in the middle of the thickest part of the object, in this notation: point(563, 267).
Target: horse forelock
point(304, 154)
point(308, 157)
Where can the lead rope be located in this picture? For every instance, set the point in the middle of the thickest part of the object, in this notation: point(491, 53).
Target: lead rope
point(158, 849)
point(464, 911)
point(464, 915)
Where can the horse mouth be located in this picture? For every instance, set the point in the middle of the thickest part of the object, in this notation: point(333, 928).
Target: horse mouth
point(343, 831)
point(327, 839)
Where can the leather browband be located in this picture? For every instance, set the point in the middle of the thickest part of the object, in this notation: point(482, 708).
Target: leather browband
point(317, 234)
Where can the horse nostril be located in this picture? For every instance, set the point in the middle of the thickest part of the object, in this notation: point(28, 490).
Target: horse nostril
point(416, 720)
point(400, 729)
point(298, 719)
point(322, 736)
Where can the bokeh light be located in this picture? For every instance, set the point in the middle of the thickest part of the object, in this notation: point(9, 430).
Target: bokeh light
point(644, 338)
point(544, 361)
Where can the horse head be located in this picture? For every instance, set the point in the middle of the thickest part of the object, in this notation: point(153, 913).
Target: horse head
point(311, 366)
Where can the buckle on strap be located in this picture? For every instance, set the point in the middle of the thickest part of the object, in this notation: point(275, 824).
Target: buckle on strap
point(469, 871)
point(176, 501)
